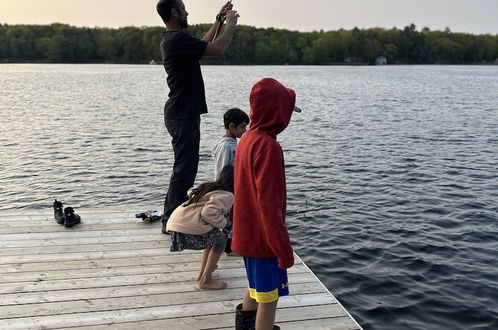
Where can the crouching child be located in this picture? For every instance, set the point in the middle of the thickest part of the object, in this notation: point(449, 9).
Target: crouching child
point(197, 224)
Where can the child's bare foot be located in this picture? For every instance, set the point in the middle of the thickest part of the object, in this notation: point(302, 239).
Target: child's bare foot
point(200, 274)
point(232, 254)
point(212, 285)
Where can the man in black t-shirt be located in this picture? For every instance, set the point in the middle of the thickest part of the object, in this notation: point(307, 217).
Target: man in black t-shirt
point(186, 100)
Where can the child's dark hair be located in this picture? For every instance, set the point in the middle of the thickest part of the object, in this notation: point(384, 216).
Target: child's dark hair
point(236, 116)
point(224, 182)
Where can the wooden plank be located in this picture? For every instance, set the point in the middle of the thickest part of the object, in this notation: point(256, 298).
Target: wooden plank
point(161, 243)
point(102, 282)
point(51, 228)
point(183, 316)
point(293, 313)
point(116, 281)
point(84, 255)
point(126, 291)
point(141, 301)
point(75, 233)
point(327, 323)
point(335, 323)
point(232, 262)
point(214, 321)
point(331, 323)
point(167, 258)
point(83, 240)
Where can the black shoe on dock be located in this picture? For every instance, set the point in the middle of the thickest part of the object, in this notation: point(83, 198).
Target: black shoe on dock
point(71, 218)
point(59, 213)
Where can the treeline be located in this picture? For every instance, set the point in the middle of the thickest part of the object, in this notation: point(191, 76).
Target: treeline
point(60, 43)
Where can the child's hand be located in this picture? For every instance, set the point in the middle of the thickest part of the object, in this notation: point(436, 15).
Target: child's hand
point(287, 262)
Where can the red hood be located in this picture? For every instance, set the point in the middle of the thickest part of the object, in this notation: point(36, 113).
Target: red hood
point(272, 105)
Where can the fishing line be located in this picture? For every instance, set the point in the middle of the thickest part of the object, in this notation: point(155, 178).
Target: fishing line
point(294, 212)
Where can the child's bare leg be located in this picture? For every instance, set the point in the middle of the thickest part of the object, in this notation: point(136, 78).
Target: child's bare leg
point(265, 317)
point(206, 282)
point(249, 304)
point(205, 254)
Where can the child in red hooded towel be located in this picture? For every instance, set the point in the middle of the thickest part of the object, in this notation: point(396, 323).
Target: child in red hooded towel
point(259, 231)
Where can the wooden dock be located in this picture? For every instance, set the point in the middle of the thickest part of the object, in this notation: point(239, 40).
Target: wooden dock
point(114, 271)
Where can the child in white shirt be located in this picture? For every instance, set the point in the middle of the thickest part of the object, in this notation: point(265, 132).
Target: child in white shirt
point(236, 122)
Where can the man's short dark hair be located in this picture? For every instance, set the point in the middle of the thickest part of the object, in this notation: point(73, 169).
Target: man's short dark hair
point(236, 116)
point(164, 8)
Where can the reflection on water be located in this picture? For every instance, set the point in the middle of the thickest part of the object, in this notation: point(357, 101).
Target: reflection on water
point(406, 154)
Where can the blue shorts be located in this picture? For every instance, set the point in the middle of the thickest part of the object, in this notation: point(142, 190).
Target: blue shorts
point(267, 282)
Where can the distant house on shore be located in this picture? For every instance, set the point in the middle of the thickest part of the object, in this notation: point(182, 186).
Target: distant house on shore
point(380, 60)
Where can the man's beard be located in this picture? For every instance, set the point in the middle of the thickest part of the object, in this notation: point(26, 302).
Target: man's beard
point(184, 24)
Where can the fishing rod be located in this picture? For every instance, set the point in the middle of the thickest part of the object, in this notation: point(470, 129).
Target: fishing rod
point(294, 212)
point(221, 19)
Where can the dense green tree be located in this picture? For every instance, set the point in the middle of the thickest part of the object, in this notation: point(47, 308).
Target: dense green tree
point(131, 42)
point(108, 47)
point(64, 43)
point(151, 38)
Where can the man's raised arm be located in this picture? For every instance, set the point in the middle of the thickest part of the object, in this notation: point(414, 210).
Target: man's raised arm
point(220, 45)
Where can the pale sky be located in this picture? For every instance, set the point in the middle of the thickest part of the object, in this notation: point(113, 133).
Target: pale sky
point(473, 16)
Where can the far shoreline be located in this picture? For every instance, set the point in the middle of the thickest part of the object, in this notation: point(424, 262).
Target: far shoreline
point(284, 64)
point(62, 43)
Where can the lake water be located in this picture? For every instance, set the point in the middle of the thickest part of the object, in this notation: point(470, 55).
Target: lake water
point(407, 156)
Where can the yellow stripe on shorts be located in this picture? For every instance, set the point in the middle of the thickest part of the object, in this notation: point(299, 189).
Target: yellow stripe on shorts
point(264, 297)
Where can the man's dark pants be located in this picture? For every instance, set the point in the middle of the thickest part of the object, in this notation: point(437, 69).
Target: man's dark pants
point(186, 135)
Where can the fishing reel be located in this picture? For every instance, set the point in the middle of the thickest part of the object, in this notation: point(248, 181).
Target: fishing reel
point(221, 17)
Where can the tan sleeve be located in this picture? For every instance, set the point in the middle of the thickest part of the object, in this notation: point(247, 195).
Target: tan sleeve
point(216, 208)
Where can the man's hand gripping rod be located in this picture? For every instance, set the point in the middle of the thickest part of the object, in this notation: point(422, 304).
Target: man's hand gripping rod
point(221, 19)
